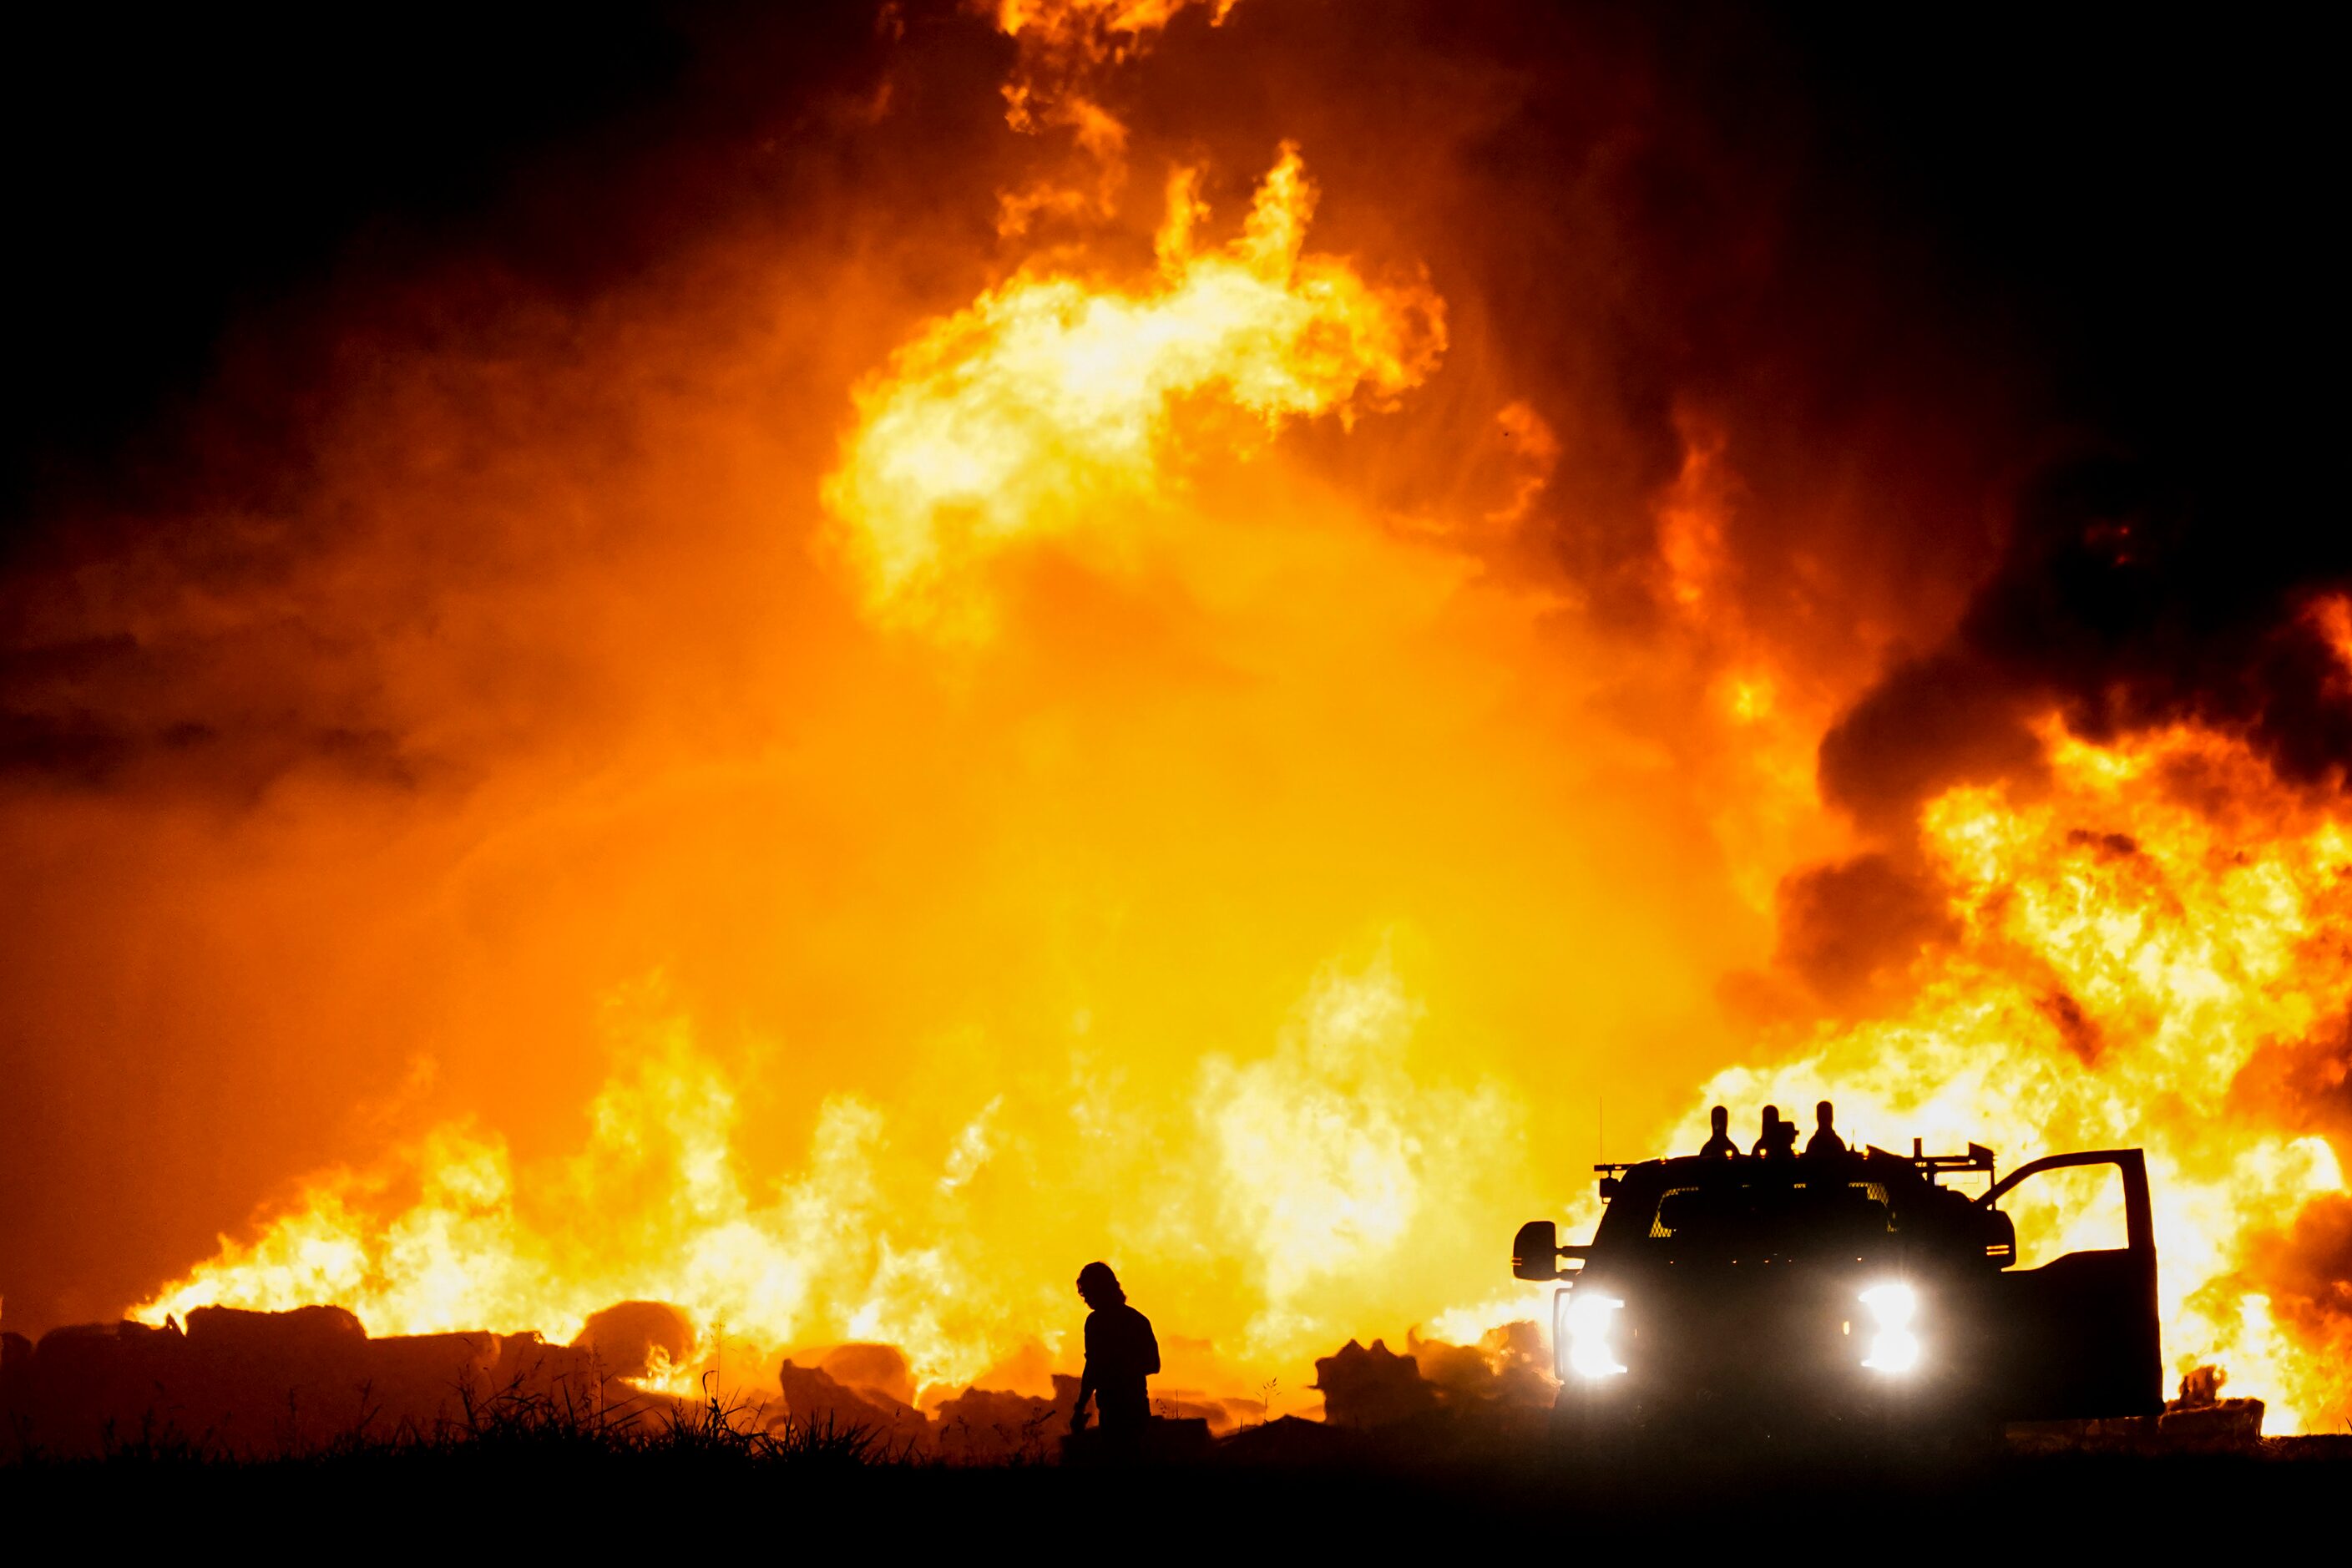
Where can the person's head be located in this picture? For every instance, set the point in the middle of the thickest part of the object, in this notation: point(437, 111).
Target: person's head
point(1824, 1113)
point(1098, 1287)
point(1719, 1118)
point(1771, 1117)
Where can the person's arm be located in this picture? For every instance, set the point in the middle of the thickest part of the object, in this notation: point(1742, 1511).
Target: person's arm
point(1086, 1381)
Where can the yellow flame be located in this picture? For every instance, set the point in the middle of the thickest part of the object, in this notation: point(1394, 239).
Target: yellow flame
point(1052, 404)
point(1305, 1168)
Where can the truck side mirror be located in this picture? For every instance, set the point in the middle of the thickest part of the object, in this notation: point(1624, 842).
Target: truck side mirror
point(2000, 1239)
point(1535, 1251)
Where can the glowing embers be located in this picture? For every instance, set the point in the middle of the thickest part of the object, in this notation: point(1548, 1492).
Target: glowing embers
point(1584, 1329)
point(1894, 1348)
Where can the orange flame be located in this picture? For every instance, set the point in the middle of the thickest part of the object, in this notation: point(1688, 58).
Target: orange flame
point(1066, 49)
point(2130, 940)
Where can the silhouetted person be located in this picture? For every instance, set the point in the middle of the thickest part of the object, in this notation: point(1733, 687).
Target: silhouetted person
point(1825, 1141)
point(1719, 1146)
point(1120, 1353)
point(1779, 1140)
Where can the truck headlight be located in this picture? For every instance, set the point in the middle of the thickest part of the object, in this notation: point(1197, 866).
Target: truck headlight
point(1585, 1324)
point(1893, 1346)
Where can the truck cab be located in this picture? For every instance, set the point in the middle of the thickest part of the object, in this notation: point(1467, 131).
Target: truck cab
point(1845, 1287)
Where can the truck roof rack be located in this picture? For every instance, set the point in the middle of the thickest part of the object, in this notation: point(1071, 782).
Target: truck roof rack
point(1977, 1158)
point(1616, 1167)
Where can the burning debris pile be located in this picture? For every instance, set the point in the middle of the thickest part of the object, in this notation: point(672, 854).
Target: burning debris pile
point(2203, 1417)
point(1509, 1368)
point(258, 1386)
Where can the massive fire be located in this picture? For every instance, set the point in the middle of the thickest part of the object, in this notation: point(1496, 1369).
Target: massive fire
point(1076, 803)
point(1057, 408)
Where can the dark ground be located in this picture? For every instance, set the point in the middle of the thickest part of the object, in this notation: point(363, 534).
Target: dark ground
point(2035, 1507)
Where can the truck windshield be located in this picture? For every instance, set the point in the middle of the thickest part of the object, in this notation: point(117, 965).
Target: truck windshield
point(1775, 1218)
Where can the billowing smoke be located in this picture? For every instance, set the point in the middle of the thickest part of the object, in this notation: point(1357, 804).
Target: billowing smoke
point(2125, 605)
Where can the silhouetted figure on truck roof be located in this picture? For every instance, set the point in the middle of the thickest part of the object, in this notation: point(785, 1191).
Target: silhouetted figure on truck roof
point(1719, 1145)
point(1120, 1353)
point(1824, 1140)
point(1779, 1140)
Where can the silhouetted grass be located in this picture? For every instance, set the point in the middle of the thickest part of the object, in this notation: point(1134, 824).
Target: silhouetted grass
point(512, 1429)
point(518, 1469)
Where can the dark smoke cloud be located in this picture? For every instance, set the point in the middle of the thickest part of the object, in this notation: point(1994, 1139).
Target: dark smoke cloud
point(1999, 326)
point(2130, 192)
point(1853, 930)
point(2307, 1271)
point(2123, 602)
point(180, 173)
point(1653, 232)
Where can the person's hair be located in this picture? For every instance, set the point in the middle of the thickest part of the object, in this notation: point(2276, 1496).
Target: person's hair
point(1771, 1114)
point(1824, 1111)
point(1097, 1279)
point(1719, 1115)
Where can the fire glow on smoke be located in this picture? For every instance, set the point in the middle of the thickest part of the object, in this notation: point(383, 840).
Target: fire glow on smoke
point(1262, 859)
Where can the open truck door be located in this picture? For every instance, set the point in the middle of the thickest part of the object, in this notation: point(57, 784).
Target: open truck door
point(2076, 1338)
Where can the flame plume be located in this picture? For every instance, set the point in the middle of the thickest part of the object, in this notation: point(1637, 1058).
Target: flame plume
point(1050, 405)
point(1054, 410)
